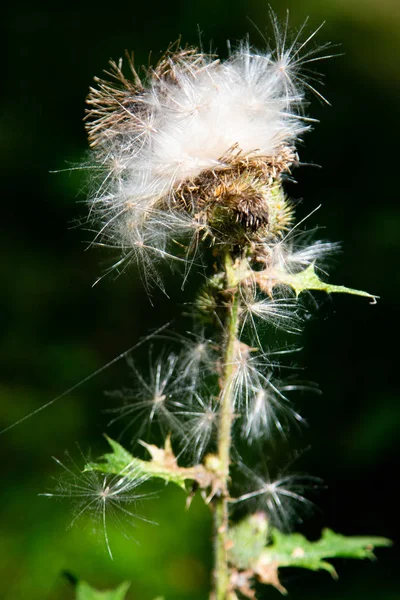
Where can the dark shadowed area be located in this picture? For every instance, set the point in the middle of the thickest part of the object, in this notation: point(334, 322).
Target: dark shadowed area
point(57, 328)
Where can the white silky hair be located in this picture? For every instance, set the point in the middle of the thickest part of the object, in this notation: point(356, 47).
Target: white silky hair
point(188, 122)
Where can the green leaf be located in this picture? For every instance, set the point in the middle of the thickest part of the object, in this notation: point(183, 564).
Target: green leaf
point(248, 539)
point(309, 280)
point(85, 592)
point(250, 550)
point(295, 550)
point(163, 465)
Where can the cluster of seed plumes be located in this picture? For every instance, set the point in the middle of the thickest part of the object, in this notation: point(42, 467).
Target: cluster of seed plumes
point(195, 151)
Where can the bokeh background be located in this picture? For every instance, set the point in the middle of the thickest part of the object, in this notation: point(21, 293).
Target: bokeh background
point(56, 328)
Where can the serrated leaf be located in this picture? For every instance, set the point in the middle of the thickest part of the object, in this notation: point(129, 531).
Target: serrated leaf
point(85, 592)
point(295, 550)
point(292, 550)
point(163, 465)
point(309, 280)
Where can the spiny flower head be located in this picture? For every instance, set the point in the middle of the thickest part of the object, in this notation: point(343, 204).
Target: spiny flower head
point(197, 147)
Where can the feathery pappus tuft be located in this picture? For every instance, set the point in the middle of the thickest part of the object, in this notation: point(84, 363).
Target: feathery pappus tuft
point(197, 143)
point(197, 359)
point(153, 398)
point(100, 497)
point(268, 410)
point(200, 425)
point(283, 499)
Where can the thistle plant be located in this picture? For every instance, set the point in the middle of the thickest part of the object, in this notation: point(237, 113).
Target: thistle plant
point(191, 159)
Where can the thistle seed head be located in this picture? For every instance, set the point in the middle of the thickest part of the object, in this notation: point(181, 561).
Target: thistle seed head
point(199, 137)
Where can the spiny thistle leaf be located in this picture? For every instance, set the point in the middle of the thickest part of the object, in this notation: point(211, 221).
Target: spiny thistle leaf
point(163, 465)
point(85, 592)
point(309, 280)
point(292, 550)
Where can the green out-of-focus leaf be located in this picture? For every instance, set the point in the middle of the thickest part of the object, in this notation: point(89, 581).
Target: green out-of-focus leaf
point(248, 539)
point(163, 465)
point(309, 280)
point(85, 592)
point(292, 550)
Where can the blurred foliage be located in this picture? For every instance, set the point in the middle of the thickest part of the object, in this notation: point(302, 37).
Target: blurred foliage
point(85, 592)
point(57, 329)
point(265, 551)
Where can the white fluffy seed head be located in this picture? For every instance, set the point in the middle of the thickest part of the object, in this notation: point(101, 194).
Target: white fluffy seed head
point(158, 143)
point(201, 110)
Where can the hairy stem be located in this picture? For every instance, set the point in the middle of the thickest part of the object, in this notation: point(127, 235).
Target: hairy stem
point(221, 571)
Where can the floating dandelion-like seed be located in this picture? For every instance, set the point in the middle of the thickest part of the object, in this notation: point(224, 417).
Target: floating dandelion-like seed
point(200, 425)
point(268, 410)
point(197, 359)
point(153, 399)
point(101, 497)
point(249, 367)
point(283, 498)
point(281, 313)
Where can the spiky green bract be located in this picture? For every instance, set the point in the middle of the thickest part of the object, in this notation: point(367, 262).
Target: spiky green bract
point(85, 592)
point(261, 550)
point(279, 274)
point(309, 280)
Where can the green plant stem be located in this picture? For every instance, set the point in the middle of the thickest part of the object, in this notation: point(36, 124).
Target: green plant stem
point(221, 516)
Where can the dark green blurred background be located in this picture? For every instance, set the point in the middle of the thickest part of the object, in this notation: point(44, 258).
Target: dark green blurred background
point(56, 328)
